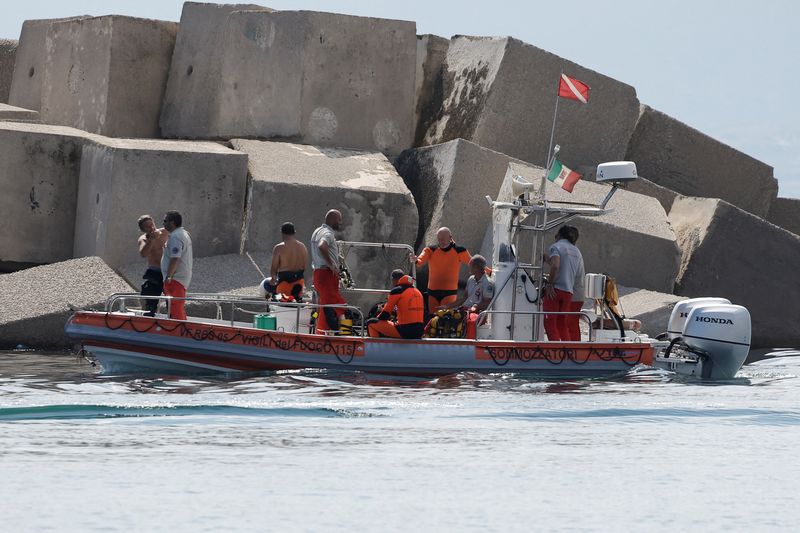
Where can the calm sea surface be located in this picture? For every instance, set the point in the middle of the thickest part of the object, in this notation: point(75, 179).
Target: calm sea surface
point(314, 451)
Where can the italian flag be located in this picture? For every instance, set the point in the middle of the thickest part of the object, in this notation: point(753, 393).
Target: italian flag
point(563, 177)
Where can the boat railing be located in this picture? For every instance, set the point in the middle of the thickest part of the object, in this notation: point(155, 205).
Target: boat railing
point(583, 314)
point(232, 301)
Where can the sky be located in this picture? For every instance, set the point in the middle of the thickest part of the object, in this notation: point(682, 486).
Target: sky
point(728, 69)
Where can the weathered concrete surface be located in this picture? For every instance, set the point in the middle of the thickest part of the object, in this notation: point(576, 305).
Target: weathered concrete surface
point(107, 75)
point(17, 114)
point(317, 78)
point(500, 93)
point(121, 179)
point(646, 187)
point(192, 96)
point(431, 54)
point(39, 170)
point(689, 162)
point(785, 212)
point(26, 85)
point(634, 243)
point(653, 309)
point(35, 303)
point(301, 183)
point(449, 182)
point(733, 254)
point(8, 51)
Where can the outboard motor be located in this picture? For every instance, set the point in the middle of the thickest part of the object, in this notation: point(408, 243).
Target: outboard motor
point(681, 312)
point(722, 334)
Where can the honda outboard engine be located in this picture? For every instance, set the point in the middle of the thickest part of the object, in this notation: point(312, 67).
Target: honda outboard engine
point(720, 333)
point(681, 312)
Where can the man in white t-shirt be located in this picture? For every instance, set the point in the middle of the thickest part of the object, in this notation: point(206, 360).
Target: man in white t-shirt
point(176, 263)
point(325, 262)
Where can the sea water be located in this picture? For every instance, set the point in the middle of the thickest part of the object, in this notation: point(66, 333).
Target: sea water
point(315, 451)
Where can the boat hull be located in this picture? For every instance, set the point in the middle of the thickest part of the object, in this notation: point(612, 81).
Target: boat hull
point(125, 343)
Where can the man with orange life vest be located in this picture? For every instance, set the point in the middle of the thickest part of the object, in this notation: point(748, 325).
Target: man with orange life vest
point(444, 261)
point(407, 301)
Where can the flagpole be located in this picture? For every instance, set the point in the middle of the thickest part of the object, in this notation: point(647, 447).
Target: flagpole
point(549, 160)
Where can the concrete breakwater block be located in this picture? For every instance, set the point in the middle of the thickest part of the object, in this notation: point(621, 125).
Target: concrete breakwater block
point(32, 56)
point(8, 51)
point(689, 162)
point(733, 254)
point(646, 187)
point(122, 179)
point(17, 114)
point(35, 303)
point(107, 75)
point(316, 78)
point(633, 243)
point(500, 93)
point(785, 212)
point(449, 182)
point(191, 100)
point(431, 54)
point(299, 183)
point(652, 308)
point(39, 171)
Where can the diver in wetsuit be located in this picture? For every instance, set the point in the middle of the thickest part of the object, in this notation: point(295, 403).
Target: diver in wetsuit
point(444, 260)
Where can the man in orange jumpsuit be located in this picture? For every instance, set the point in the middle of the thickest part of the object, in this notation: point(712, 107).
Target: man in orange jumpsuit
point(407, 301)
point(444, 261)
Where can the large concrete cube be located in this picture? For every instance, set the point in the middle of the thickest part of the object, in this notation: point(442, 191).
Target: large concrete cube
point(121, 179)
point(617, 242)
point(316, 78)
point(298, 183)
point(192, 96)
point(689, 162)
point(733, 254)
point(500, 93)
point(431, 54)
point(107, 75)
point(26, 85)
point(785, 212)
point(8, 51)
point(646, 187)
point(449, 182)
point(39, 170)
point(35, 303)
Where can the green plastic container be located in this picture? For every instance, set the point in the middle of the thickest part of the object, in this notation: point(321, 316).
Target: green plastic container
point(265, 321)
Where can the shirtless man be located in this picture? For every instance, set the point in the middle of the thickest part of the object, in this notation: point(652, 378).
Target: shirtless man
point(289, 260)
point(151, 246)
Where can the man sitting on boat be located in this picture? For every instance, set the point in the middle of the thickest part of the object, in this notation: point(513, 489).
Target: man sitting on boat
point(406, 301)
point(289, 259)
point(478, 296)
point(444, 259)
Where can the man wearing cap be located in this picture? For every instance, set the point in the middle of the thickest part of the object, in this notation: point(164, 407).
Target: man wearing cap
point(289, 259)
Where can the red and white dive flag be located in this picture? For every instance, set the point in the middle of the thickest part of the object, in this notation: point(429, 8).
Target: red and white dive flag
point(573, 89)
point(563, 177)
